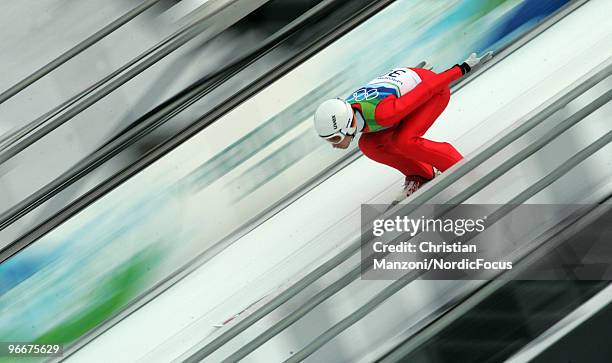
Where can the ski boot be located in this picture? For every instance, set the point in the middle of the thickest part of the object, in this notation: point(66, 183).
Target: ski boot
point(412, 183)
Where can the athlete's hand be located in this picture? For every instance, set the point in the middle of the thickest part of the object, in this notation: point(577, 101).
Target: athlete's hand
point(473, 60)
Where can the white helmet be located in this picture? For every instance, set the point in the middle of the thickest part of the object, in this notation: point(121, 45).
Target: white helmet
point(334, 118)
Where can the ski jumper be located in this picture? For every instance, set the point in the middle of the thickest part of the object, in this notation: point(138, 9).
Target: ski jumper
point(395, 110)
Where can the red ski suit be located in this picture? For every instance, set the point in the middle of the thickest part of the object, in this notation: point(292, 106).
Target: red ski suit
point(408, 117)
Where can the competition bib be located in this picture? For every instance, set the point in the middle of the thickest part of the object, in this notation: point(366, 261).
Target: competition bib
point(396, 82)
point(401, 79)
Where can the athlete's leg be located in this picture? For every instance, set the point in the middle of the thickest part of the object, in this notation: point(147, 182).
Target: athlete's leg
point(407, 135)
point(379, 147)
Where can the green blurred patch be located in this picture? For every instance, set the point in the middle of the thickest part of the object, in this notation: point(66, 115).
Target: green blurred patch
point(114, 293)
point(474, 10)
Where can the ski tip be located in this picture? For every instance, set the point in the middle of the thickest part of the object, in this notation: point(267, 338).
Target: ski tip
point(393, 204)
point(424, 65)
point(487, 56)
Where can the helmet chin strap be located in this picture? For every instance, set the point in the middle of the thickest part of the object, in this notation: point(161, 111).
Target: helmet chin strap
point(359, 122)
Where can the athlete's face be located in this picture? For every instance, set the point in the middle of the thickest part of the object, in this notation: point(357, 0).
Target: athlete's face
point(344, 143)
point(347, 139)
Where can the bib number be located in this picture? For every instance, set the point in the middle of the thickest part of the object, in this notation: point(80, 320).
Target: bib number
point(401, 79)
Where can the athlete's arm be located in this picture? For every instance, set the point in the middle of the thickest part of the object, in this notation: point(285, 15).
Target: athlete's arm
point(392, 109)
